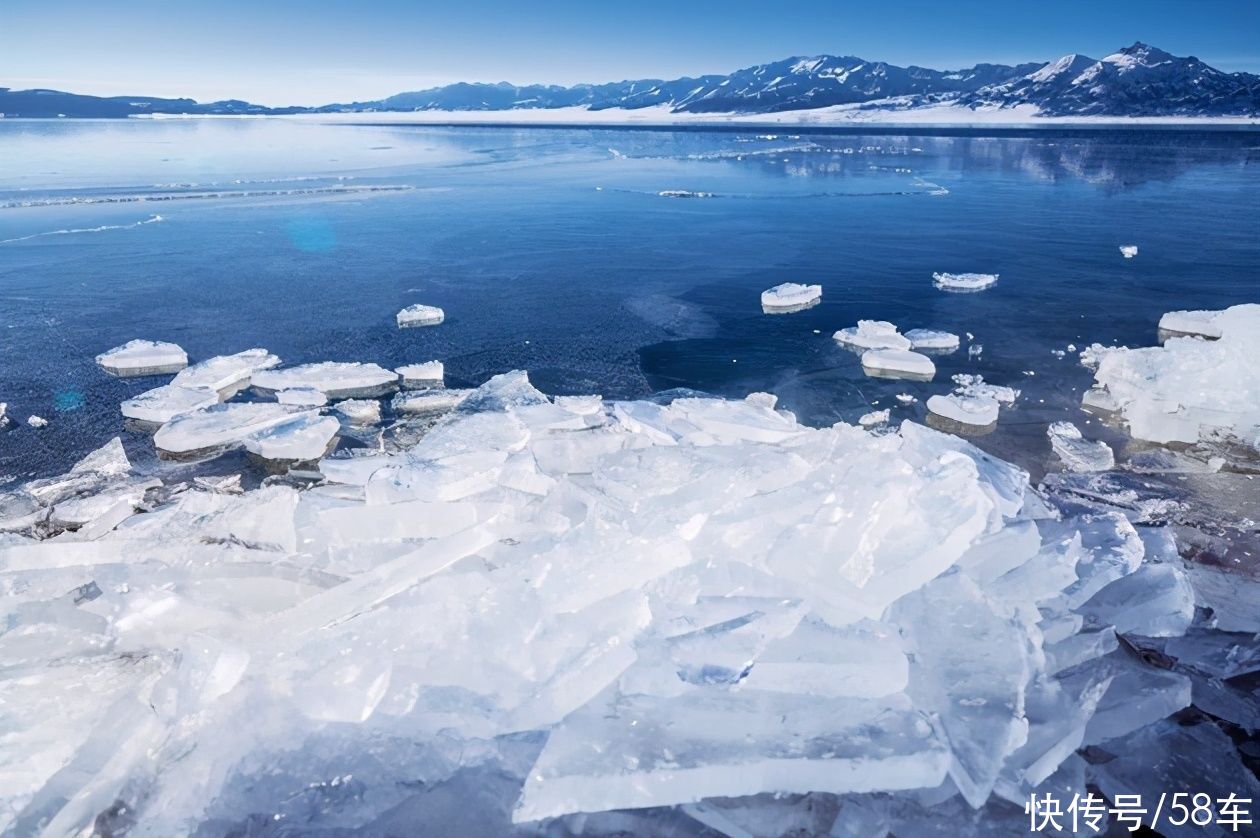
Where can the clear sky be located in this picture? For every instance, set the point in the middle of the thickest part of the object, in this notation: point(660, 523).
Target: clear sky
point(279, 52)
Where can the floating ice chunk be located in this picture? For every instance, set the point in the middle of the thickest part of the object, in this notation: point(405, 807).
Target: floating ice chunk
point(979, 411)
point(975, 386)
point(790, 296)
point(1078, 453)
point(683, 193)
point(932, 339)
point(610, 755)
point(143, 357)
point(218, 427)
point(335, 379)
point(1128, 250)
point(110, 460)
point(1092, 355)
point(302, 397)
point(224, 372)
point(872, 334)
point(1197, 323)
point(875, 417)
point(1189, 387)
point(428, 374)
point(905, 398)
point(420, 315)
point(898, 363)
point(963, 282)
point(425, 402)
point(360, 411)
point(1154, 601)
point(37, 421)
point(78, 512)
point(303, 438)
point(162, 404)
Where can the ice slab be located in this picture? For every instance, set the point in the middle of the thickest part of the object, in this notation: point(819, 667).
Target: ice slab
point(36, 422)
point(302, 397)
point(976, 387)
point(226, 372)
point(898, 363)
point(335, 379)
point(304, 437)
point(790, 296)
point(967, 410)
point(360, 411)
point(963, 281)
point(932, 339)
point(162, 404)
point(218, 427)
point(1128, 251)
point(1078, 453)
point(427, 402)
point(875, 417)
point(420, 314)
point(1200, 323)
point(428, 374)
point(872, 334)
point(143, 357)
point(1156, 600)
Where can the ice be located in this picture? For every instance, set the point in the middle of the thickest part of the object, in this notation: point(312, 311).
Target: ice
point(872, 334)
point(335, 379)
point(162, 404)
point(975, 386)
point(302, 397)
point(1154, 601)
point(898, 363)
point(216, 428)
point(875, 417)
point(1076, 452)
point(963, 282)
point(304, 437)
point(932, 339)
point(360, 411)
point(790, 296)
point(143, 357)
point(226, 372)
point(36, 422)
point(1195, 323)
point(1189, 387)
point(424, 402)
point(420, 315)
point(1128, 250)
point(979, 411)
point(428, 374)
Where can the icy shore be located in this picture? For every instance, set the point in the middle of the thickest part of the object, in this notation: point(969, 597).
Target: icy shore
point(587, 607)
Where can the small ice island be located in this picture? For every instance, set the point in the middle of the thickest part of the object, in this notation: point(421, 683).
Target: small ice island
point(420, 315)
point(963, 282)
point(790, 297)
point(143, 357)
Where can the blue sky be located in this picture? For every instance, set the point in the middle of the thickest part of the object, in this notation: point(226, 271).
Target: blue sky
point(286, 52)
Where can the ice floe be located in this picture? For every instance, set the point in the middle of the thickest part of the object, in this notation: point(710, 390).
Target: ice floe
point(335, 379)
point(975, 385)
point(898, 363)
point(37, 421)
point(302, 396)
point(875, 417)
point(964, 281)
point(143, 357)
point(437, 400)
point(420, 314)
point(1189, 387)
point(872, 334)
point(1195, 323)
point(1078, 453)
point(932, 339)
point(428, 374)
point(567, 608)
point(360, 411)
point(1128, 251)
point(226, 372)
point(162, 404)
point(978, 411)
point(790, 297)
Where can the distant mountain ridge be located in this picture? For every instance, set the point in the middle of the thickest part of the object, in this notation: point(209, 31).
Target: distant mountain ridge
point(1139, 80)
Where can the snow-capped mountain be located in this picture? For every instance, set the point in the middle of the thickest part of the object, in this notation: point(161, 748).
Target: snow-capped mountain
point(1136, 81)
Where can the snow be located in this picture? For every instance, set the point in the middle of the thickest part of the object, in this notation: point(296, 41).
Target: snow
point(420, 314)
point(1076, 452)
point(1200, 323)
point(932, 339)
point(1188, 388)
point(963, 282)
point(898, 363)
point(790, 296)
point(143, 357)
point(872, 334)
point(1128, 250)
point(554, 607)
point(162, 404)
point(335, 379)
point(428, 374)
point(979, 411)
point(224, 372)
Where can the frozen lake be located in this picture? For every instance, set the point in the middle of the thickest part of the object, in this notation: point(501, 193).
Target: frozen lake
point(578, 255)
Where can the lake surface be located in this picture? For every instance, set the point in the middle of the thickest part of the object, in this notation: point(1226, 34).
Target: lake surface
point(553, 250)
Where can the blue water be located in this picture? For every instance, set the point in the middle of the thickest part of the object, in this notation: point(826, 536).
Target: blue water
point(552, 250)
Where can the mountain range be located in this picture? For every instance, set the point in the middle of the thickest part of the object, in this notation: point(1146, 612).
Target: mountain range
point(1139, 80)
